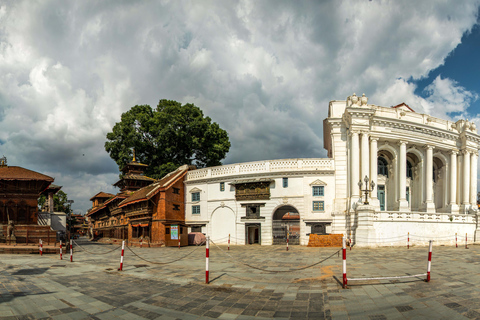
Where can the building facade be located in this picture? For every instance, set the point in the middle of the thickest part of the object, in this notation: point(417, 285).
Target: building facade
point(390, 171)
point(145, 211)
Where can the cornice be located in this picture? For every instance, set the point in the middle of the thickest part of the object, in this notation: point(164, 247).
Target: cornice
point(256, 175)
point(416, 128)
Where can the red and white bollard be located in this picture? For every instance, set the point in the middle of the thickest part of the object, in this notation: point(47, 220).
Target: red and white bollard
point(408, 241)
point(456, 243)
point(466, 244)
point(207, 253)
point(40, 248)
point(288, 236)
point(61, 256)
point(121, 258)
point(71, 250)
point(429, 265)
point(141, 242)
point(344, 263)
point(350, 243)
point(229, 242)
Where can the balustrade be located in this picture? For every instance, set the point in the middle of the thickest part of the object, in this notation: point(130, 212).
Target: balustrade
point(261, 167)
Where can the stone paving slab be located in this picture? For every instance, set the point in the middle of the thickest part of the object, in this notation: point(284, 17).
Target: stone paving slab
point(247, 282)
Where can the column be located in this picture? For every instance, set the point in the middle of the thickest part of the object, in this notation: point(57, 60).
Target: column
point(373, 164)
point(402, 179)
point(429, 205)
point(453, 182)
point(466, 180)
point(354, 165)
point(365, 157)
point(473, 179)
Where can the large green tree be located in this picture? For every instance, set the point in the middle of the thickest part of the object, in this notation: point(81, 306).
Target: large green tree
point(60, 202)
point(167, 137)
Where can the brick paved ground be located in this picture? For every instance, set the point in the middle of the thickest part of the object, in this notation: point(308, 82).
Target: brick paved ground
point(34, 287)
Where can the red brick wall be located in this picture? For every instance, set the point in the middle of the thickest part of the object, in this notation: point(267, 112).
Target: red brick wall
point(330, 240)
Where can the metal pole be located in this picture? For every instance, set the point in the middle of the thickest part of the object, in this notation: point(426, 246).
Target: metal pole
point(288, 236)
point(429, 260)
point(71, 249)
point(344, 263)
point(61, 255)
point(179, 237)
point(121, 257)
point(408, 241)
point(456, 243)
point(466, 244)
point(207, 253)
point(229, 242)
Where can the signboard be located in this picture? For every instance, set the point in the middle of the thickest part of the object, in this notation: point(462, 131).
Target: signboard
point(174, 232)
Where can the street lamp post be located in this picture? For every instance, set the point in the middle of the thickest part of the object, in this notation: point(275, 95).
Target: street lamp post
point(367, 189)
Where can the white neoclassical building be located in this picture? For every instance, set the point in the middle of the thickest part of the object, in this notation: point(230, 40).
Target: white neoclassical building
point(390, 172)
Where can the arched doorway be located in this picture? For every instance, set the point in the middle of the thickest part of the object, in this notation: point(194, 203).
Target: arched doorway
point(223, 225)
point(286, 219)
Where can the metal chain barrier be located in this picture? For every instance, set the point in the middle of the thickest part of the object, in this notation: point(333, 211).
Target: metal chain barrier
point(154, 262)
point(95, 252)
point(274, 271)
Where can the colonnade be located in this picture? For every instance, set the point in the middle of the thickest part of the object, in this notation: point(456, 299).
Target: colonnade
point(460, 173)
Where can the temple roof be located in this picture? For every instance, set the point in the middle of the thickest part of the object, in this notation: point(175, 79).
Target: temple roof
point(148, 192)
point(133, 177)
point(102, 194)
point(19, 173)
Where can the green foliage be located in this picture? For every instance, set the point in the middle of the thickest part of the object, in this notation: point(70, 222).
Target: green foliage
point(60, 203)
point(167, 137)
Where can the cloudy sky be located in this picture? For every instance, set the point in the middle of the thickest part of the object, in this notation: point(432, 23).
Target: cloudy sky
point(264, 70)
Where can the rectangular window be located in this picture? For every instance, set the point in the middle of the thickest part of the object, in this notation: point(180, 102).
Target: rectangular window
point(318, 206)
point(195, 196)
point(285, 182)
point(222, 186)
point(176, 207)
point(167, 231)
point(195, 209)
point(176, 190)
point(196, 229)
point(318, 191)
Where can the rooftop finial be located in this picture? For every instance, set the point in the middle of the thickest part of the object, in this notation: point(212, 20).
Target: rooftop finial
point(3, 161)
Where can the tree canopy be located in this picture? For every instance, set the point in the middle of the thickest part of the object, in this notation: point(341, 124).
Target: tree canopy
point(60, 203)
point(167, 137)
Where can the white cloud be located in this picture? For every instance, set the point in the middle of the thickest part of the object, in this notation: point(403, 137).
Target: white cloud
point(264, 71)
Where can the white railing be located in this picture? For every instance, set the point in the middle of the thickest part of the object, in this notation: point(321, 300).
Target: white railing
point(423, 217)
point(262, 167)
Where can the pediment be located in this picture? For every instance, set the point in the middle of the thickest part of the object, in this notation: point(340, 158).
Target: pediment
point(403, 106)
point(195, 190)
point(318, 182)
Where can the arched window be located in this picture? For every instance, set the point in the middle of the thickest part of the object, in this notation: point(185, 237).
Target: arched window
point(409, 170)
point(382, 167)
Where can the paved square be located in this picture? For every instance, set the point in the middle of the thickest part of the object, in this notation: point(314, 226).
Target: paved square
point(247, 282)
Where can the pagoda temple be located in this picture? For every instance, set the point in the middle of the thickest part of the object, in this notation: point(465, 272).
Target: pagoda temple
point(19, 192)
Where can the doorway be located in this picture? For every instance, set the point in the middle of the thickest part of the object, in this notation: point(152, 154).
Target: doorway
point(252, 233)
point(381, 197)
point(286, 224)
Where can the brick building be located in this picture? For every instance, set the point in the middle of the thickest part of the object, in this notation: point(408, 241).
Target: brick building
point(145, 210)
